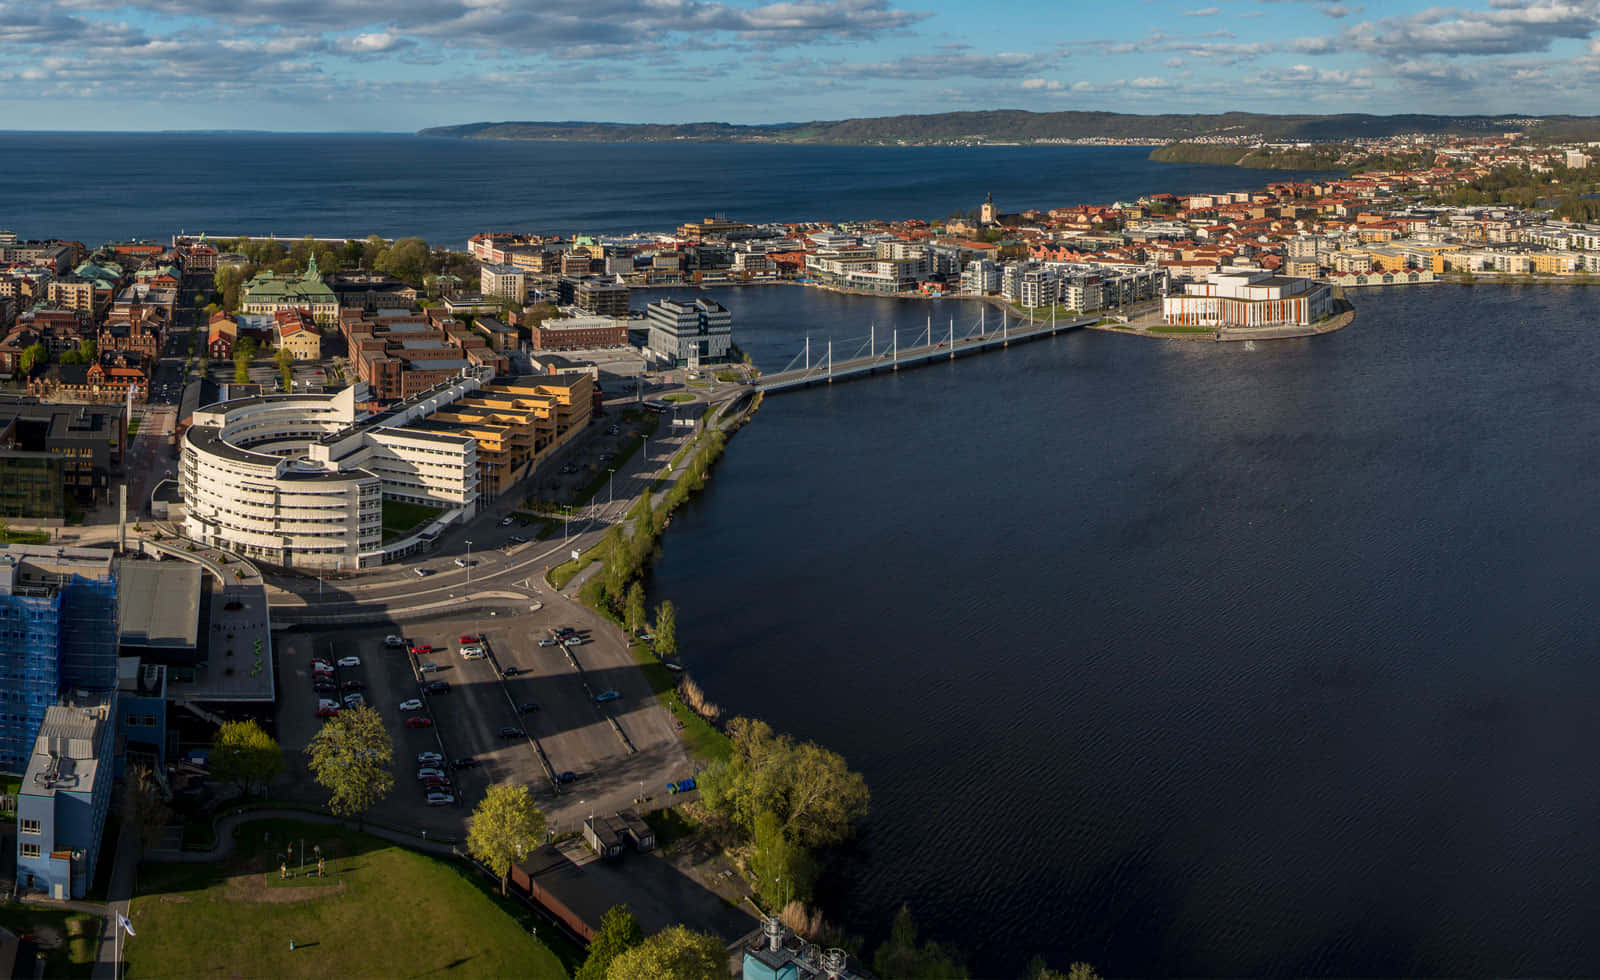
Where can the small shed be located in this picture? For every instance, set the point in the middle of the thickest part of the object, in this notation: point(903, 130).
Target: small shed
point(637, 831)
point(604, 835)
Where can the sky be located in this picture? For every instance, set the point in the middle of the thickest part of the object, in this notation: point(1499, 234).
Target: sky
point(399, 65)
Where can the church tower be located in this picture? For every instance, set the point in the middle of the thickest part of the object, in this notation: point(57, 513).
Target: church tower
point(987, 215)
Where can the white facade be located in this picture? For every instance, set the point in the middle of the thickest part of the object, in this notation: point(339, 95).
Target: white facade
point(300, 480)
point(504, 280)
point(1249, 298)
point(684, 332)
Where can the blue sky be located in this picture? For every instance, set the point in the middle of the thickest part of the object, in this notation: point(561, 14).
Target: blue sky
point(309, 65)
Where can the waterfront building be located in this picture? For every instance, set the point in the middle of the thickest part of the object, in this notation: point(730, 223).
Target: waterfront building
point(981, 277)
point(1248, 298)
point(58, 632)
point(65, 793)
point(687, 334)
point(517, 424)
point(269, 293)
point(602, 297)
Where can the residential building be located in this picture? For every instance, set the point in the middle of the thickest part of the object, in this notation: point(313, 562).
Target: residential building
point(221, 336)
point(601, 297)
point(295, 332)
point(981, 277)
point(401, 356)
point(688, 334)
point(505, 281)
point(516, 424)
point(58, 632)
point(65, 794)
point(270, 293)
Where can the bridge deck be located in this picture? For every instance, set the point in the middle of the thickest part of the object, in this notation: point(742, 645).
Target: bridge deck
point(912, 356)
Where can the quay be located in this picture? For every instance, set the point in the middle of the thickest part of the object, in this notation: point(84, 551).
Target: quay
point(925, 349)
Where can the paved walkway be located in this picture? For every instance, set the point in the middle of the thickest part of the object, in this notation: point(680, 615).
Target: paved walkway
point(227, 825)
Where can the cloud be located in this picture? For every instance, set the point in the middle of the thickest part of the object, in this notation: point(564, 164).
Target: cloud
point(1508, 27)
point(1202, 12)
point(951, 64)
point(1041, 85)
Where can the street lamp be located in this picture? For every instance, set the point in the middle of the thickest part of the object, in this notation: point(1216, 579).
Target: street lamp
point(469, 562)
point(611, 487)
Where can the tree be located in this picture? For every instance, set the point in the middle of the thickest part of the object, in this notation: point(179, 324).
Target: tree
point(245, 755)
point(1039, 970)
point(409, 259)
point(32, 356)
point(784, 872)
point(666, 630)
point(504, 827)
point(372, 252)
point(902, 957)
point(619, 932)
point(350, 757)
point(143, 807)
point(633, 611)
point(89, 349)
point(672, 954)
point(284, 358)
point(807, 787)
point(241, 370)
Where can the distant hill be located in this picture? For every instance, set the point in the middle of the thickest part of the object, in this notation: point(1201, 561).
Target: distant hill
point(1018, 126)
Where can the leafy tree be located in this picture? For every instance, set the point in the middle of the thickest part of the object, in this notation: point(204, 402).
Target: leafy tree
point(372, 252)
point(504, 827)
point(245, 755)
point(807, 787)
point(666, 629)
point(241, 370)
point(619, 932)
point(70, 357)
point(633, 612)
point(143, 807)
point(409, 259)
point(902, 957)
point(672, 954)
point(353, 252)
point(784, 871)
point(33, 355)
point(350, 757)
point(89, 349)
point(1039, 970)
point(284, 358)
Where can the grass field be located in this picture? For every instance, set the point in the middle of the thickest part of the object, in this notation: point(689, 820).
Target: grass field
point(401, 518)
point(24, 537)
point(387, 912)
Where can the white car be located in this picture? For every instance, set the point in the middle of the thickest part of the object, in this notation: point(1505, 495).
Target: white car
point(505, 522)
point(429, 758)
point(349, 661)
point(411, 704)
point(427, 771)
point(321, 665)
point(394, 641)
point(440, 799)
point(354, 700)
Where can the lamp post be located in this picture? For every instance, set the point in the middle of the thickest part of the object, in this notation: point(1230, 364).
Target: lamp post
point(611, 487)
point(469, 562)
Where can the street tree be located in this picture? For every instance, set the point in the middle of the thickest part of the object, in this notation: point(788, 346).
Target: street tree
point(350, 757)
point(505, 827)
point(143, 807)
point(666, 629)
point(619, 932)
point(903, 957)
point(672, 954)
point(633, 611)
point(243, 754)
point(284, 358)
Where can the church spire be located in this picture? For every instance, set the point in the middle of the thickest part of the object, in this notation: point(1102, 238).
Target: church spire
point(311, 268)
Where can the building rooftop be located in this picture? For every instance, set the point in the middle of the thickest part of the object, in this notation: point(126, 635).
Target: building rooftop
point(159, 603)
point(238, 644)
point(65, 753)
point(41, 569)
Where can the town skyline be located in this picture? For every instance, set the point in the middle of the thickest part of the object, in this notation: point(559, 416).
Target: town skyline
point(337, 66)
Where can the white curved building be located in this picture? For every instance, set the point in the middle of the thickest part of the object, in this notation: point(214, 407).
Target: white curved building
point(299, 480)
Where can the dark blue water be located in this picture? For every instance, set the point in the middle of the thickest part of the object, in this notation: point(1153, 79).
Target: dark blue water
point(94, 187)
point(1189, 659)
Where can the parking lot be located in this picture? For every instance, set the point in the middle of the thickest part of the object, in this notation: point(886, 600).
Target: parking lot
point(614, 749)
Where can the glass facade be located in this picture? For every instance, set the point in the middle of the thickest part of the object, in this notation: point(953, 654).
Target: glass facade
point(31, 486)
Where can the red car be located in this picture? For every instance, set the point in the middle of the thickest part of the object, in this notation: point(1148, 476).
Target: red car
point(418, 721)
point(468, 638)
point(327, 712)
point(421, 649)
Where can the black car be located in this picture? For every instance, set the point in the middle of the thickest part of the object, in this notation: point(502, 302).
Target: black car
point(352, 686)
point(509, 732)
point(528, 706)
point(522, 522)
point(467, 763)
point(325, 687)
point(511, 671)
point(567, 777)
point(437, 687)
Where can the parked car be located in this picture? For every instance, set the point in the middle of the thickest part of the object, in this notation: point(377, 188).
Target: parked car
point(473, 651)
point(325, 686)
point(351, 685)
point(509, 732)
point(354, 700)
point(511, 671)
point(605, 696)
point(426, 771)
point(349, 661)
point(423, 572)
point(466, 762)
point(427, 668)
point(421, 649)
point(470, 638)
point(411, 704)
point(419, 721)
point(548, 641)
point(440, 799)
point(528, 706)
point(327, 711)
point(429, 759)
point(394, 642)
point(436, 784)
point(461, 563)
point(437, 687)
point(505, 522)
point(518, 539)
point(322, 665)
point(567, 777)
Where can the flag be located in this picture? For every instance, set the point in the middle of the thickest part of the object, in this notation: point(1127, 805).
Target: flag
point(125, 925)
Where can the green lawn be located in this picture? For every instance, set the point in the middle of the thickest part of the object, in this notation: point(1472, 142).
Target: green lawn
point(681, 396)
point(401, 518)
point(703, 740)
point(24, 537)
point(388, 912)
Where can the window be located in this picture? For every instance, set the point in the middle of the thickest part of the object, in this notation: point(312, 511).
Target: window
point(149, 721)
point(30, 826)
point(30, 850)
